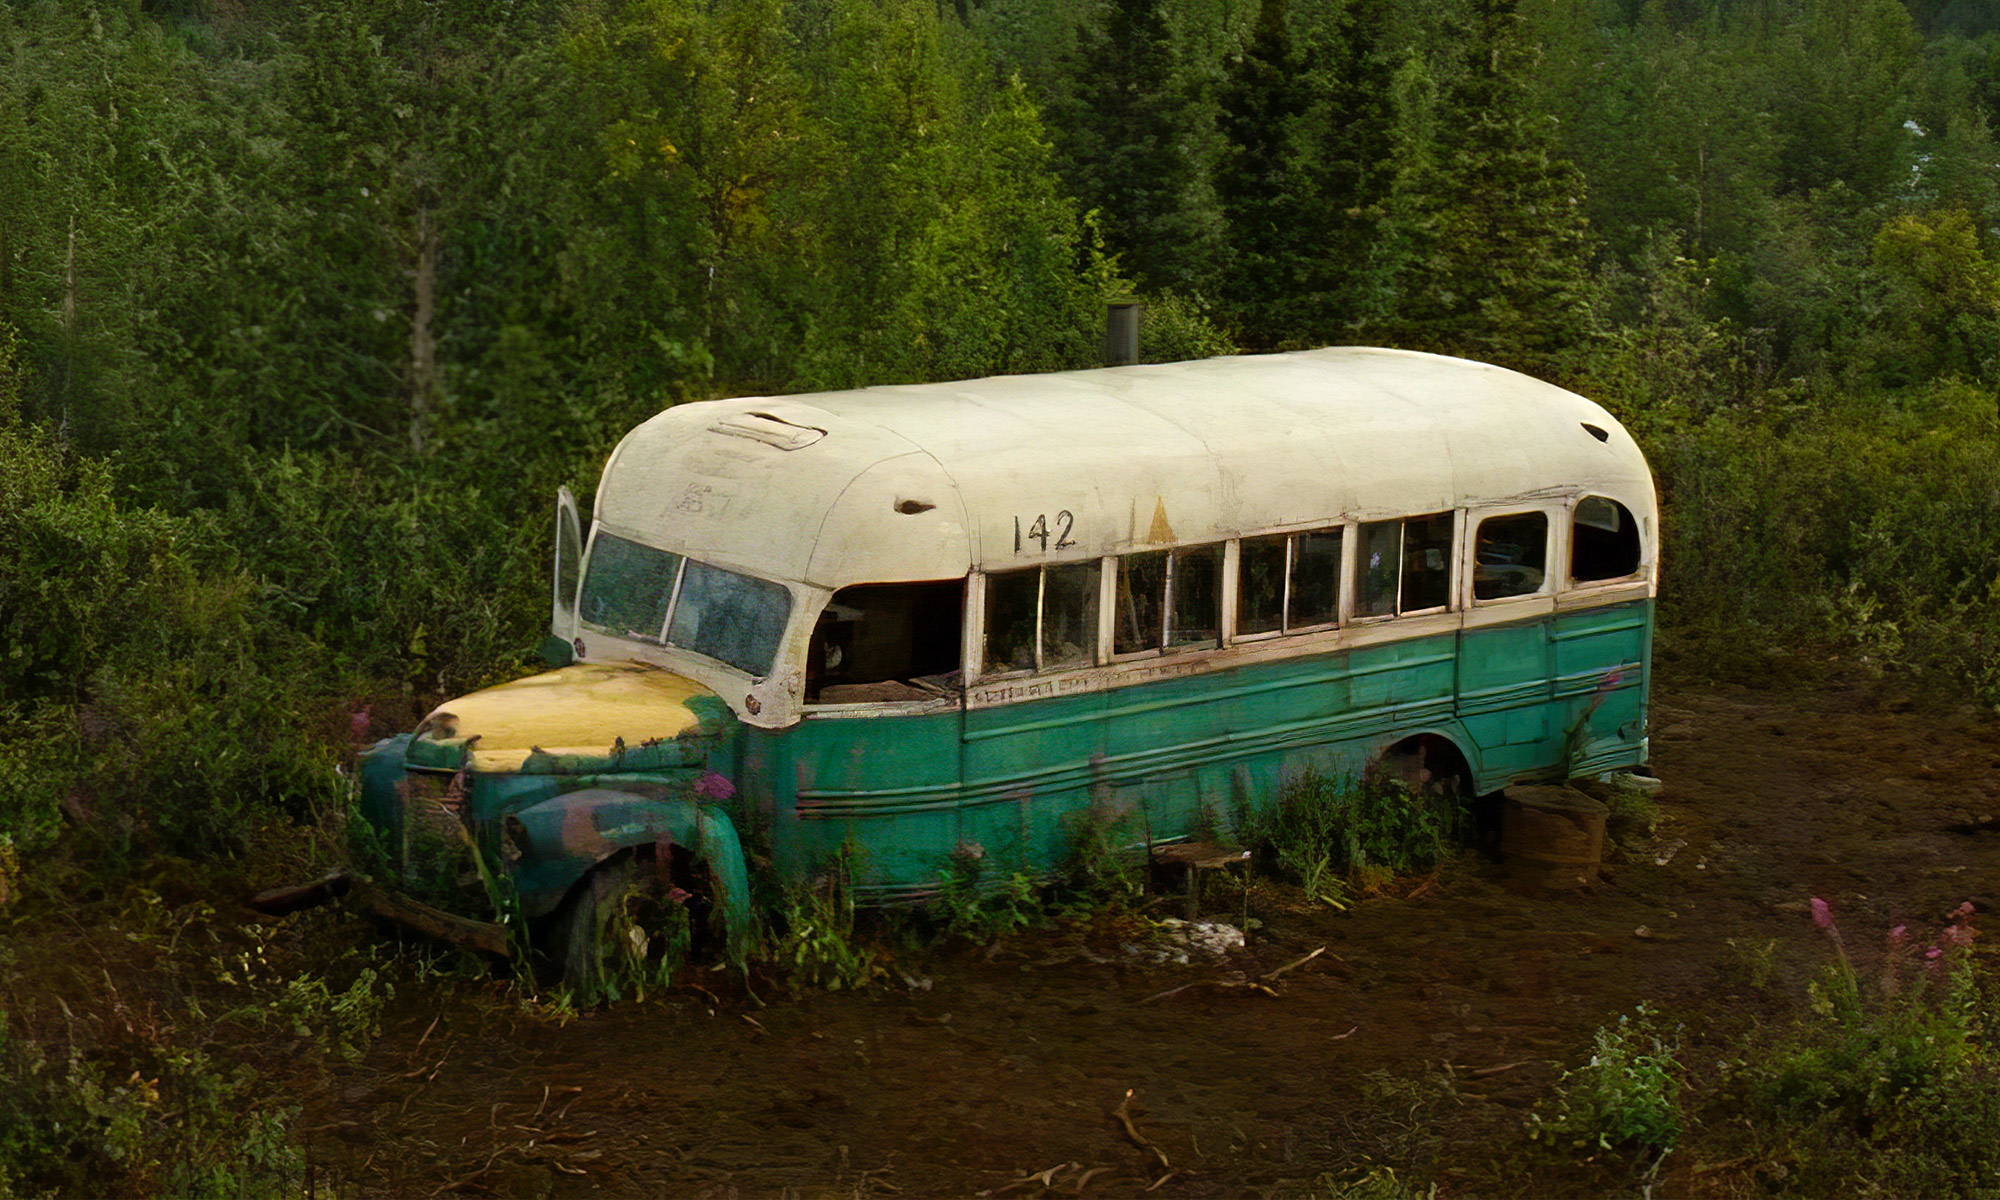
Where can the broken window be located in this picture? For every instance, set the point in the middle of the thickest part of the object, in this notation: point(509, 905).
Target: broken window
point(1405, 565)
point(1604, 541)
point(1510, 556)
point(887, 641)
point(1041, 618)
point(1288, 582)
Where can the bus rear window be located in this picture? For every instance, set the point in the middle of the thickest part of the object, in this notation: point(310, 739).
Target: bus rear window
point(1604, 541)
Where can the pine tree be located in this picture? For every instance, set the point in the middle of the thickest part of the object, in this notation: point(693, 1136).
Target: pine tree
point(1264, 186)
point(1502, 248)
point(1125, 145)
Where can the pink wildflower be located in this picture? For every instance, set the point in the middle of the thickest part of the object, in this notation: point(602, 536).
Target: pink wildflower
point(1933, 953)
point(1958, 937)
point(1963, 911)
point(1822, 914)
point(714, 787)
point(1899, 935)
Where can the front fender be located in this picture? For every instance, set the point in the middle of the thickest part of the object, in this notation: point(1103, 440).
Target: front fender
point(569, 834)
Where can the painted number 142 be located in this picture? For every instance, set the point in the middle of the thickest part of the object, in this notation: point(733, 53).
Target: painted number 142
point(1040, 532)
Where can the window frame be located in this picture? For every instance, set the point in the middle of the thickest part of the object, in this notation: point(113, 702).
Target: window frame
point(1166, 648)
point(1456, 578)
point(1233, 584)
point(1638, 572)
point(979, 583)
point(1555, 557)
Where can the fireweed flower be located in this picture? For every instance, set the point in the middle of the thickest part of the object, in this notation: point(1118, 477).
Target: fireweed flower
point(714, 787)
point(1822, 914)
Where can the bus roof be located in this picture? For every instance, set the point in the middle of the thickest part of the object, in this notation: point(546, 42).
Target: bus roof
point(927, 481)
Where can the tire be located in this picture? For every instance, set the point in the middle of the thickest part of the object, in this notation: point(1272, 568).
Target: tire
point(621, 932)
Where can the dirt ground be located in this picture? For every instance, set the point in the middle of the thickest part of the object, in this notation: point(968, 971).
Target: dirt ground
point(1440, 1013)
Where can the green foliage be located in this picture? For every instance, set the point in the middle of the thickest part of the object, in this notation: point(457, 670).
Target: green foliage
point(1501, 258)
point(1322, 828)
point(1873, 526)
point(1097, 863)
point(1892, 1079)
point(973, 905)
point(1627, 1097)
point(815, 943)
point(149, 1119)
point(1128, 147)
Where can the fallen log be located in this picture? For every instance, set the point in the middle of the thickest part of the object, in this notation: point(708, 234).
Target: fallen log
point(485, 937)
point(283, 901)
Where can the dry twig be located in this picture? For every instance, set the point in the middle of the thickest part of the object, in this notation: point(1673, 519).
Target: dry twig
point(1124, 1115)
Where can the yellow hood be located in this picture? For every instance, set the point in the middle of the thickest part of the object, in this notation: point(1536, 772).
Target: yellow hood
point(582, 709)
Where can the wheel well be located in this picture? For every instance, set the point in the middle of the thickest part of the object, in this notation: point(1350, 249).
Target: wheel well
point(1424, 761)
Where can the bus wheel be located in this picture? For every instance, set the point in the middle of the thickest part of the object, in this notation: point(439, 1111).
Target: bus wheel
point(624, 931)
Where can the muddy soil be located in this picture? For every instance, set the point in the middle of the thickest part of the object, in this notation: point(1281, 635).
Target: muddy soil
point(1440, 1013)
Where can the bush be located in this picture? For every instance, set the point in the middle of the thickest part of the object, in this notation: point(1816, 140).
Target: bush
point(1323, 827)
point(153, 1119)
point(1626, 1098)
point(1871, 526)
point(1893, 1080)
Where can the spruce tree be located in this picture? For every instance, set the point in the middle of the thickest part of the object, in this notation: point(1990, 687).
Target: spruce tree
point(1502, 250)
point(1264, 188)
point(1125, 144)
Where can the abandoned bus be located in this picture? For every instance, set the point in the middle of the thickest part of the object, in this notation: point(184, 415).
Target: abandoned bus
point(940, 617)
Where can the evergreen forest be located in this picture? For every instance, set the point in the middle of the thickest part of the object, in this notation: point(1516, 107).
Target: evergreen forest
point(307, 309)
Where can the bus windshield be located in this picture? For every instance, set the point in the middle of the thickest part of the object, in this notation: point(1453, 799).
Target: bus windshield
point(649, 595)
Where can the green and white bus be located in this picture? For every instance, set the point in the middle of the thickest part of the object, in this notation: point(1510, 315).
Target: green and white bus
point(949, 615)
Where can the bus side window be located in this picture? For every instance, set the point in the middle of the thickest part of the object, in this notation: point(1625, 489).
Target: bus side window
point(1510, 556)
point(1012, 598)
point(1168, 599)
point(1315, 581)
point(1260, 584)
point(1196, 585)
point(1405, 565)
point(1040, 618)
point(876, 641)
point(1604, 541)
point(1288, 582)
point(1381, 567)
point(1142, 587)
point(1069, 614)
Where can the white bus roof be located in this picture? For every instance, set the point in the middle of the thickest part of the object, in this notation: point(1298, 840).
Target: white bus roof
point(927, 481)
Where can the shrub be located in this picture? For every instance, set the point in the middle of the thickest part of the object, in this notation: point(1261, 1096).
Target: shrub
point(1627, 1097)
point(1893, 1079)
point(1362, 828)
